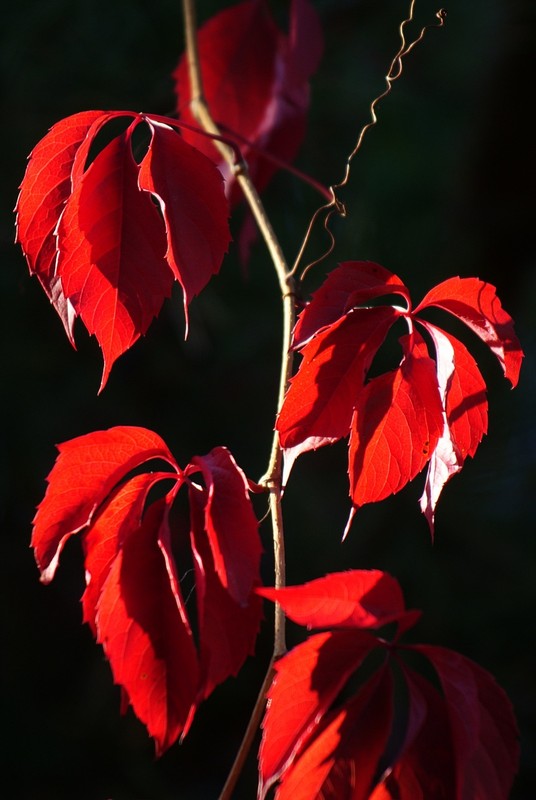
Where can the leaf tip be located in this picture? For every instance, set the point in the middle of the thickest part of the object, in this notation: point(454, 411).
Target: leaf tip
point(428, 511)
point(351, 516)
point(46, 573)
point(105, 375)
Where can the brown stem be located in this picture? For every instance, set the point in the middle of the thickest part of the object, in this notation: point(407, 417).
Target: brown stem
point(249, 736)
point(272, 479)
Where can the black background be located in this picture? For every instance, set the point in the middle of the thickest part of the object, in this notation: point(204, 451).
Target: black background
point(444, 185)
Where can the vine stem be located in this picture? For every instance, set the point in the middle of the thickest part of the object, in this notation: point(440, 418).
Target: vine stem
point(272, 479)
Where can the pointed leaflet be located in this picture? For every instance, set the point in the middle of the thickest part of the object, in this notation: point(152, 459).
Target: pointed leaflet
point(85, 472)
point(306, 683)
point(283, 128)
point(358, 599)
point(463, 395)
point(305, 43)
point(95, 237)
point(230, 523)
point(46, 185)
point(465, 746)
point(424, 768)
point(255, 80)
point(322, 395)
point(449, 739)
point(227, 628)
point(400, 420)
point(102, 541)
point(141, 625)
point(464, 389)
point(133, 600)
point(111, 252)
point(190, 192)
point(237, 49)
point(396, 426)
point(476, 304)
point(484, 731)
point(341, 761)
point(309, 678)
point(351, 284)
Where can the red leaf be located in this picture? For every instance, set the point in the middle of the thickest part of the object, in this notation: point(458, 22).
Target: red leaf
point(237, 49)
point(142, 626)
point(319, 403)
point(465, 390)
point(111, 252)
point(476, 304)
point(307, 681)
point(351, 284)
point(85, 472)
point(102, 541)
point(190, 192)
point(422, 412)
point(462, 744)
point(484, 731)
point(132, 599)
point(341, 760)
point(358, 599)
point(230, 523)
point(227, 628)
point(463, 395)
point(255, 81)
point(46, 185)
point(309, 678)
point(306, 45)
point(424, 768)
point(284, 123)
point(396, 426)
point(95, 237)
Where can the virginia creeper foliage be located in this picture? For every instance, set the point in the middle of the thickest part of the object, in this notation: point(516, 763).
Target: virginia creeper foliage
point(256, 82)
point(95, 239)
point(457, 742)
point(114, 207)
point(425, 412)
point(133, 599)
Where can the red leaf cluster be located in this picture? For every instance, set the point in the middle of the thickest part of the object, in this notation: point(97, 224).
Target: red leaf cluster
point(455, 737)
point(427, 411)
point(113, 208)
point(133, 600)
point(108, 224)
point(107, 236)
point(256, 84)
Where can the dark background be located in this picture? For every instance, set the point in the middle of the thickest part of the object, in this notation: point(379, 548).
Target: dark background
point(444, 185)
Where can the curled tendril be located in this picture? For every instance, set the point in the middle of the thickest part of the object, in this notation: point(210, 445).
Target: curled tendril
point(336, 206)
